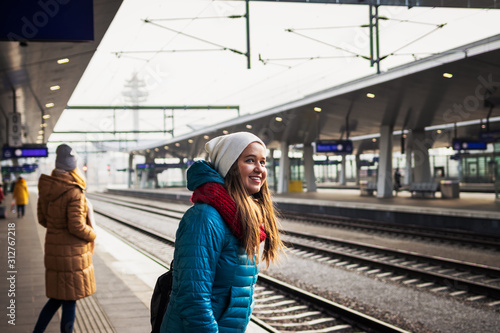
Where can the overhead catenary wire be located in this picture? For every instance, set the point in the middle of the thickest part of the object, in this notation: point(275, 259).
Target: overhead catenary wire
point(419, 38)
point(194, 37)
point(120, 53)
point(325, 43)
point(437, 27)
point(197, 18)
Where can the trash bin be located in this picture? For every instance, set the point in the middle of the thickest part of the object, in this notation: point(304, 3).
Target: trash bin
point(295, 186)
point(450, 189)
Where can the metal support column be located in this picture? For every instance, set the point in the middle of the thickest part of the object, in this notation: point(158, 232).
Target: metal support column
point(129, 170)
point(374, 38)
point(422, 166)
point(342, 177)
point(247, 16)
point(284, 173)
point(384, 176)
point(309, 168)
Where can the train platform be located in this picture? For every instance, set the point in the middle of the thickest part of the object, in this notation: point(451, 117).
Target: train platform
point(477, 212)
point(125, 281)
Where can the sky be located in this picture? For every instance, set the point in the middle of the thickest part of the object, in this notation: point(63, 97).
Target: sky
point(296, 50)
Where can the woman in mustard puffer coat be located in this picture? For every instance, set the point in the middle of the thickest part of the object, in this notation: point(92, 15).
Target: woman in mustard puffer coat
point(21, 196)
point(69, 242)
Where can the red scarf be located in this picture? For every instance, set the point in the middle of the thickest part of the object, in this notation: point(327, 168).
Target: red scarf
point(216, 196)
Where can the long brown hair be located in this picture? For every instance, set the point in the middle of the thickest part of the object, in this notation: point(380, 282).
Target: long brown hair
point(255, 210)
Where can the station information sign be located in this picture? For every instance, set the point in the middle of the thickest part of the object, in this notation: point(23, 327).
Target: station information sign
point(24, 151)
point(334, 146)
point(25, 168)
point(459, 144)
point(37, 20)
point(159, 166)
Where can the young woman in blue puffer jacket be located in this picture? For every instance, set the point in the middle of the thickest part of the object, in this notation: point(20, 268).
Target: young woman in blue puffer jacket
point(218, 239)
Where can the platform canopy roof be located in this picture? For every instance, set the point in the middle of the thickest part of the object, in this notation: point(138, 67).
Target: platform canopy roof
point(29, 68)
point(420, 96)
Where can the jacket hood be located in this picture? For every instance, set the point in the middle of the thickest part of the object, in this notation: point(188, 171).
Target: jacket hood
point(202, 172)
point(52, 187)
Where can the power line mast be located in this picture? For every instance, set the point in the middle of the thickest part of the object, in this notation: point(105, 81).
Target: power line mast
point(134, 94)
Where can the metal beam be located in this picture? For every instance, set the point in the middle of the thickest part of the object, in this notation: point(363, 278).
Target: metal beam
point(153, 107)
point(485, 4)
point(91, 141)
point(247, 17)
point(108, 132)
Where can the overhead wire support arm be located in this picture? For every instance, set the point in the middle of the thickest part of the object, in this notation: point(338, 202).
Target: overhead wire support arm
point(196, 38)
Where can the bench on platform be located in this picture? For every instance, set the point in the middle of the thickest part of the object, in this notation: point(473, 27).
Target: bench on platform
point(367, 188)
point(424, 188)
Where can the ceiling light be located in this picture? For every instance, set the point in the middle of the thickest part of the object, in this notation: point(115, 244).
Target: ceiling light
point(370, 95)
point(278, 119)
point(46, 116)
point(439, 131)
point(43, 125)
point(483, 126)
point(63, 61)
point(40, 132)
point(374, 140)
point(49, 105)
point(148, 150)
point(166, 147)
point(157, 149)
point(447, 75)
point(205, 137)
point(317, 109)
point(225, 131)
point(249, 126)
point(55, 88)
point(40, 137)
point(177, 144)
point(190, 141)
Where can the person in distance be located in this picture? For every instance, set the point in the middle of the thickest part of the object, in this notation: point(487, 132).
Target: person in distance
point(218, 239)
point(69, 241)
point(21, 196)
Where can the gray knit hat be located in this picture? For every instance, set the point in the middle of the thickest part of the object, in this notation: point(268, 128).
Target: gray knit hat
point(66, 158)
point(224, 150)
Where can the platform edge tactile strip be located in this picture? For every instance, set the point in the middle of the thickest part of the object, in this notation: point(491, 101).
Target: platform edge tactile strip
point(90, 317)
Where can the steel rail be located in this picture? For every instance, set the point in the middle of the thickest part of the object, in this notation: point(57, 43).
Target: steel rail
point(354, 317)
point(412, 230)
point(456, 282)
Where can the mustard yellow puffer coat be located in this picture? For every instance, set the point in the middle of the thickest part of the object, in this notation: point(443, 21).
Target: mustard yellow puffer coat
point(20, 192)
point(62, 209)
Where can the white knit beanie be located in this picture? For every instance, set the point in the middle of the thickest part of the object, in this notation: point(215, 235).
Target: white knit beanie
point(66, 158)
point(224, 150)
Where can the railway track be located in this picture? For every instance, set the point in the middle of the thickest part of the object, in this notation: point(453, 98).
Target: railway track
point(461, 280)
point(457, 237)
point(279, 307)
point(429, 234)
point(472, 282)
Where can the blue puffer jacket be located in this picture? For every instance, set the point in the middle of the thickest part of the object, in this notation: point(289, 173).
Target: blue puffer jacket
point(213, 280)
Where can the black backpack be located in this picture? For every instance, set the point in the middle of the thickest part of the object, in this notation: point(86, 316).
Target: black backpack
point(160, 298)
